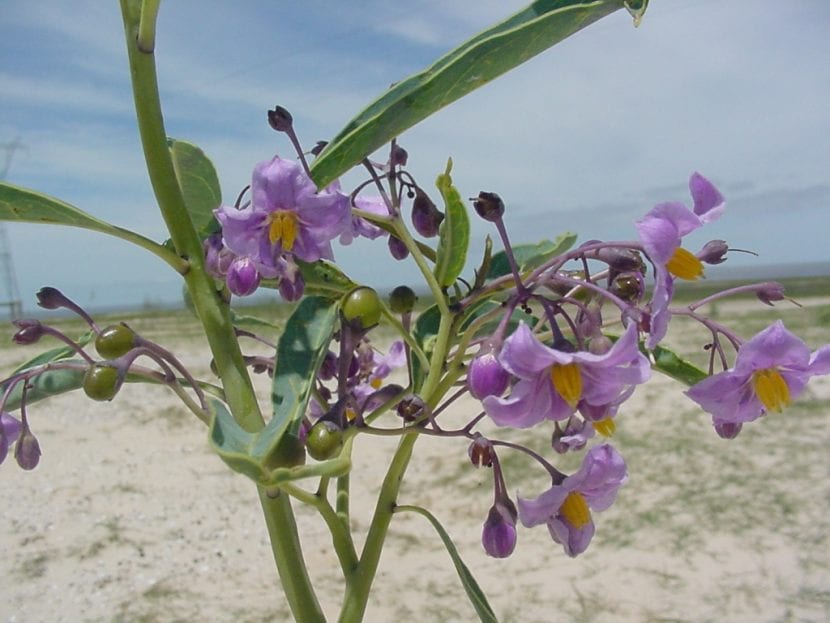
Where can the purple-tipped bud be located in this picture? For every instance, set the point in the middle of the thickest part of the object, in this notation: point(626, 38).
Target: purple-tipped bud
point(243, 277)
point(481, 452)
point(398, 156)
point(499, 534)
point(292, 289)
point(713, 252)
point(397, 248)
point(769, 292)
point(27, 450)
point(52, 298)
point(486, 376)
point(426, 218)
point(489, 206)
point(29, 331)
point(319, 146)
point(728, 430)
point(10, 428)
point(280, 119)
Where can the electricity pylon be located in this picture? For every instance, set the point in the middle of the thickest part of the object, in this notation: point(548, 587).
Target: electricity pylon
point(9, 294)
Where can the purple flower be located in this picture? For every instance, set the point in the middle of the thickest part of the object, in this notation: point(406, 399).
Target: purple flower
point(485, 375)
point(553, 382)
point(10, 428)
point(566, 507)
point(360, 226)
point(771, 369)
point(287, 215)
point(498, 537)
point(661, 231)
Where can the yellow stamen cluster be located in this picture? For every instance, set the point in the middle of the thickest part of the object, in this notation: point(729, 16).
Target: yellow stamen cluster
point(771, 389)
point(283, 229)
point(685, 265)
point(606, 427)
point(376, 383)
point(575, 510)
point(567, 381)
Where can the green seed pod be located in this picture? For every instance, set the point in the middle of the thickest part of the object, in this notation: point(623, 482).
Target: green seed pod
point(101, 382)
point(114, 341)
point(402, 300)
point(362, 305)
point(324, 440)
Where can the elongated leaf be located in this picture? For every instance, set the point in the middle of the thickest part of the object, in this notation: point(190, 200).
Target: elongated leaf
point(198, 181)
point(672, 365)
point(474, 63)
point(49, 383)
point(300, 352)
point(323, 278)
point(530, 256)
point(454, 234)
point(474, 592)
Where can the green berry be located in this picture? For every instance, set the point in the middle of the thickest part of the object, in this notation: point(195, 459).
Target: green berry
point(324, 440)
point(290, 452)
point(362, 305)
point(101, 382)
point(402, 300)
point(114, 341)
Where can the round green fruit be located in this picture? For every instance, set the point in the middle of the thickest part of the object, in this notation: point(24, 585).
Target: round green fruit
point(402, 300)
point(362, 305)
point(324, 440)
point(101, 382)
point(114, 341)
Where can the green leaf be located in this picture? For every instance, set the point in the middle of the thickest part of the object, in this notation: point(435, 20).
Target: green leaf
point(232, 443)
point(48, 383)
point(29, 206)
point(530, 256)
point(198, 182)
point(672, 365)
point(474, 592)
point(474, 63)
point(325, 279)
point(454, 233)
point(300, 352)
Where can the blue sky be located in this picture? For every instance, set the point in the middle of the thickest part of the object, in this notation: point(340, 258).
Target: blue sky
point(585, 137)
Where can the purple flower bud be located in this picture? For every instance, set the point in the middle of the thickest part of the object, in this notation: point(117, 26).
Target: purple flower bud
point(499, 534)
point(397, 248)
point(411, 408)
point(769, 292)
point(280, 119)
point(398, 156)
point(9, 432)
point(489, 206)
point(27, 450)
point(243, 277)
point(218, 257)
point(426, 218)
point(713, 252)
point(52, 298)
point(30, 331)
point(573, 437)
point(728, 430)
point(328, 369)
point(486, 376)
point(292, 289)
point(481, 452)
point(319, 146)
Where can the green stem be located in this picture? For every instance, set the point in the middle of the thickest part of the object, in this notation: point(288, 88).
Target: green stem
point(212, 311)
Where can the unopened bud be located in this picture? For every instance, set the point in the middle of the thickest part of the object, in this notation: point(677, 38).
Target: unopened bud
point(713, 252)
point(27, 450)
point(292, 289)
point(481, 452)
point(489, 206)
point(319, 146)
point(398, 156)
point(243, 277)
point(728, 430)
point(769, 292)
point(397, 248)
point(486, 376)
point(280, 119)
point(426, 218)
point(52, 298)
point(499, 534)
point(411, 408)
point(10, 428)
point(618, 259)
point(29, 331)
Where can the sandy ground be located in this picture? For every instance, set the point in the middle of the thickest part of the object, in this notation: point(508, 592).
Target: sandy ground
point(129, 517)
